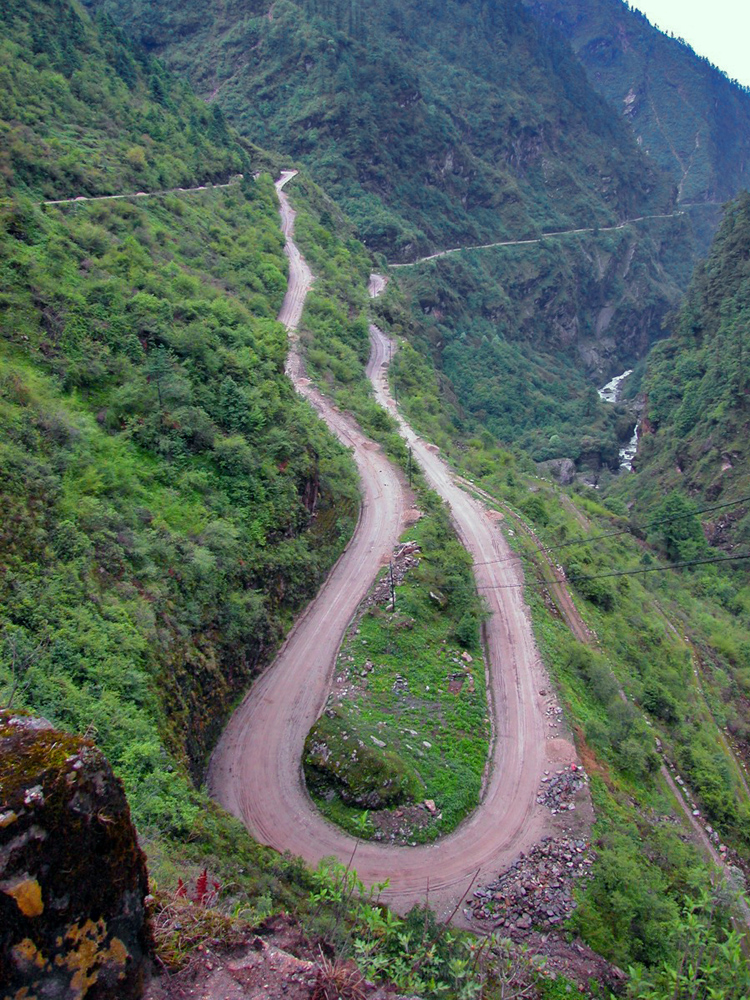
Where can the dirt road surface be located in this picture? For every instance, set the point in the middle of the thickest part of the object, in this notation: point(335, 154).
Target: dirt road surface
point(143, 194)
point(376, 285)
point(256, 770)
point(544, 236)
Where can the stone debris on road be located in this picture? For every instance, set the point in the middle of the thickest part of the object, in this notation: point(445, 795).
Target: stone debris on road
point(537, 890)
point(557, 790)
point(554, 716)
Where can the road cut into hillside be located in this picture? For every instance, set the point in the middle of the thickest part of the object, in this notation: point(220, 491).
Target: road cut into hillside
point(538, 239)
point(256, 770)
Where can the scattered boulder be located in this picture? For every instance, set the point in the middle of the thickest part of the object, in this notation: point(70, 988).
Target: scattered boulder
point(73, 880)
point(563, 469)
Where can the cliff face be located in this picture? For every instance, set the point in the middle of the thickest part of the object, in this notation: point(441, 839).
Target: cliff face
point(691, 119)
point(73, 880)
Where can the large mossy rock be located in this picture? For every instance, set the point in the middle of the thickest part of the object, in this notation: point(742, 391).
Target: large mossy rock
point(338, 760)
point(73, 880)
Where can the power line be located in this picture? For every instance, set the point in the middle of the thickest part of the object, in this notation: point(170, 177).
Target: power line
point(660, 569)
point(628, 572)
point(648, 524)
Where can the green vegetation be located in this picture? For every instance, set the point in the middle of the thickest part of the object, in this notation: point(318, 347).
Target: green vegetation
point(517, 369)
point(509, 368)
point(84, 112)
point(359, 774)
point(153, 449)
point(709, 961)
point(691, 118)
point(697, 390)
point(159, 475)
point(169, 503)
point(634, 682)
point(426, 123)
point(639, 678)
point(452, 124)
point(407, 719)
point(645, 871)
point(416, 953)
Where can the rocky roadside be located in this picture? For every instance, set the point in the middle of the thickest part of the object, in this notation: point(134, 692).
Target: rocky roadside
point(536, 892)
point(530, 901)
point(557, 791)
point(276, 962)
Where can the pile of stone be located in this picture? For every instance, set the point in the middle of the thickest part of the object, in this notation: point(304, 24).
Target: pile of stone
point(405, 557)
point(536, 891)
point(557, 790)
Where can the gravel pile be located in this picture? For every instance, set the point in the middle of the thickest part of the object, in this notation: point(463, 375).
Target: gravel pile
point(537, 890)
point(557, 790)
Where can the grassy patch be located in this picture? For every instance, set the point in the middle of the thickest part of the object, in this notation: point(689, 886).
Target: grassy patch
point(409, 689)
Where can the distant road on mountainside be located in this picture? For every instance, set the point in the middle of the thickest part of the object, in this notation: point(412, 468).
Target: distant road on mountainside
point(143, 194)
point(539, 239)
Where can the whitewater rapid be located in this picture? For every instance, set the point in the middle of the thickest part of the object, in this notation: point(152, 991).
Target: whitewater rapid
point(610, 393)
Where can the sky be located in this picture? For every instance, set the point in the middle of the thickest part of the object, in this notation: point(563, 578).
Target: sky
point(717, 29)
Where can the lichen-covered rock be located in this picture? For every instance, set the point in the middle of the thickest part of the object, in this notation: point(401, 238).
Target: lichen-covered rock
point(73, 881)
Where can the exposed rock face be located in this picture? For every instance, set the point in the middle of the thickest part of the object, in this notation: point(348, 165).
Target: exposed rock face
point(72, 878)
point(563, 469)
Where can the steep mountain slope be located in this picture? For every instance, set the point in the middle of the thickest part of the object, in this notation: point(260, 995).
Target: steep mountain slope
point(686, 114)
point(168, 502)
point(429, 122)
point(158, 481)
point(85, 113)
point(461, 123)
point(518, 331)
point(695, 434)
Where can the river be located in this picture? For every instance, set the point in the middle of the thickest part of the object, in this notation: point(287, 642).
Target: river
point(610, 393)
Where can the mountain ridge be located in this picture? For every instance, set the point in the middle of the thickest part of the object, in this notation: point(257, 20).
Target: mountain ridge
point(690, 117)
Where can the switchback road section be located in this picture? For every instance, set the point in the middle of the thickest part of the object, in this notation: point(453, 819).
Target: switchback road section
point(256, 769)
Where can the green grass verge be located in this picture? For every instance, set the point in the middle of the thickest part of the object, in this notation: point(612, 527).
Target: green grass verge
point(412, 679)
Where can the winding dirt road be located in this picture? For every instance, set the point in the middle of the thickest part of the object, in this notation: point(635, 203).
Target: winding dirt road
point(143, 194)
point(255, 771)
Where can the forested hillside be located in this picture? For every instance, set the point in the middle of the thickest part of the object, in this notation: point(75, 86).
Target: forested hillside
point(695, 433)
point(456, 124)
point(85, 113)
point(445, 122)
point(685, 113)
point(168, 501)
